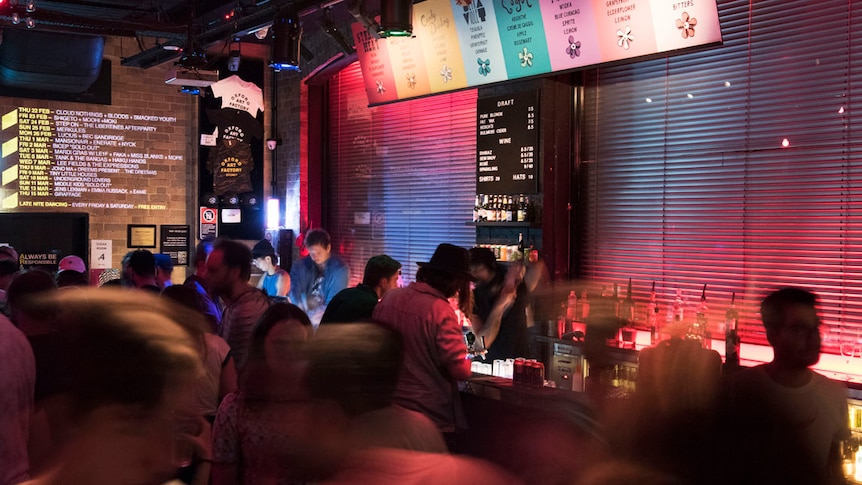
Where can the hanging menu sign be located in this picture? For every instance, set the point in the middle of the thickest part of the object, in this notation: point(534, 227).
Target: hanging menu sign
point(467, 43)
point(507, 144)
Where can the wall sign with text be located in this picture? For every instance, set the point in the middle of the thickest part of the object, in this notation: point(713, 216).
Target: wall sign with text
point(507, 144)
point(468, 43)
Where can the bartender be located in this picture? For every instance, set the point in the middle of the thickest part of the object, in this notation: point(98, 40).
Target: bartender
point(500, 300)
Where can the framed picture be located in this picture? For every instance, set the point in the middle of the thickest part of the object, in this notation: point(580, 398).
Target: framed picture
point(141, 236)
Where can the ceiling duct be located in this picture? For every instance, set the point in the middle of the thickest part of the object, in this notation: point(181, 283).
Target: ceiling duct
point(50, 61)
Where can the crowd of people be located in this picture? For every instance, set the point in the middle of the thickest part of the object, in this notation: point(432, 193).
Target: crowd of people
point(300, 379)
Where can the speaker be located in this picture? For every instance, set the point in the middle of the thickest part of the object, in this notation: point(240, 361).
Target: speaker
point(284, 248)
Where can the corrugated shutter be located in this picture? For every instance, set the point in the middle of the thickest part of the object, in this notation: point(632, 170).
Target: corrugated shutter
point(689, 182)
point(402, 176)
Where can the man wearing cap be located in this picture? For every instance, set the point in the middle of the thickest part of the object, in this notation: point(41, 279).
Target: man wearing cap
point(142, 270)
point(164, 270)
point(8, 268)
point(274, 281)
point(72, 272)
point(435, 353)
point(382, 274)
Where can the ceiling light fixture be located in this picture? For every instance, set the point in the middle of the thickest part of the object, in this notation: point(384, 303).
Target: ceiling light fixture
point(286, 37)
point(396, 18)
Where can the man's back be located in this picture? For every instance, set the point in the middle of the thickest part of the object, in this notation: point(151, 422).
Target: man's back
point(351, 305)
point(432, 343)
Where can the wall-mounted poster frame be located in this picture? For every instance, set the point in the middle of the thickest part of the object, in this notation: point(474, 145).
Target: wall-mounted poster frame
point(141, 236)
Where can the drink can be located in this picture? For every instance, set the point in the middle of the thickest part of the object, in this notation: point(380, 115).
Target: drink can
point(518, 372)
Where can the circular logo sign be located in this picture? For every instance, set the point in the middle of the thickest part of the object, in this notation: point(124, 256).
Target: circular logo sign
point(208, 215)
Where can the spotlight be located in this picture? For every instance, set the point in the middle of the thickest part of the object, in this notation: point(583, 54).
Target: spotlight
point(234, 59)
point(29, 22)
point(16, 19)
point(30, 6)
point(286, 36)
point(396, 18)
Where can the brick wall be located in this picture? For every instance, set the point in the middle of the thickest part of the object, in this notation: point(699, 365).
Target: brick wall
point(143, 92)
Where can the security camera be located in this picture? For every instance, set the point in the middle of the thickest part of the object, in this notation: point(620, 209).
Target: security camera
point(272, 143)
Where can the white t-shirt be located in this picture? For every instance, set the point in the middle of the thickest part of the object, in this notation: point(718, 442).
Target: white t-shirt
point(238, 94)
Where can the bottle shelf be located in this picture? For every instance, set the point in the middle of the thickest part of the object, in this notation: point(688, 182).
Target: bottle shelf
point(501, 224)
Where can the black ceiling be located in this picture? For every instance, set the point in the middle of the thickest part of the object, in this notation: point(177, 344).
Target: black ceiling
point(157, 23)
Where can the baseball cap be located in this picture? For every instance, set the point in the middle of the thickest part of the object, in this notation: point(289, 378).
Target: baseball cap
point(72, 263)
point(164, 262)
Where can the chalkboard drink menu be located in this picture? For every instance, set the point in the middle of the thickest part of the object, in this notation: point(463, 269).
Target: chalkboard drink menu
point(507, 144)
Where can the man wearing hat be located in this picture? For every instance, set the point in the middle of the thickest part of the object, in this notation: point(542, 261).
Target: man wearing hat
point(434, 349)
point(71, 271)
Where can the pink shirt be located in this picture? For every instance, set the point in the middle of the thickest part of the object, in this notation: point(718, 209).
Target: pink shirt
point(433, 343)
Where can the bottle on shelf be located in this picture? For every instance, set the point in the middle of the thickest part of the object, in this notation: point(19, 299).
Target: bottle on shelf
point(627, 305)
point(616, 300)
point(652, 316)
point(521, 248)
point(511, 208)
point(584, 303)
point(483, 209)
point(476, 206)
point(731, 335)
point(571, 306)
point(522, 208)
point(700, 329)
point(678, 306)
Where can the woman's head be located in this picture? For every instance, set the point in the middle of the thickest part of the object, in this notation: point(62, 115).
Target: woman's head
point(276, 349)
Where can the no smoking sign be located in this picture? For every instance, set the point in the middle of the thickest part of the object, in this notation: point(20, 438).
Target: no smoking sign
point(208, 223)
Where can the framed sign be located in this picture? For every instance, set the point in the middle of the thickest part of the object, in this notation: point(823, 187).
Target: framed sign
point(141, 236)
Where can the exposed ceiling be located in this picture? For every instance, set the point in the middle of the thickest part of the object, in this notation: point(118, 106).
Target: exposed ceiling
point(162, 26)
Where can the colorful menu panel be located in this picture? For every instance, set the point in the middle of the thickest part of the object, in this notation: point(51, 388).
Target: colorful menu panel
point(434, 26)
point(408, 66)
point(476, 24)
point(466, 43)
point(522, 36)
point(376, 65)
point(572, 35)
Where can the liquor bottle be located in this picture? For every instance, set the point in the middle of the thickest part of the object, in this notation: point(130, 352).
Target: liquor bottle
point(511, 208)
point(678, 306)
point(490, 213)
point(627, 305)
point(483, 209)
point(499, 209)
point(571, 306)
point(584, 302)
point(731, 335)
point(521, 245)
point(476, 205)
point(652, 316)
point(701, 321)
point(522, 208)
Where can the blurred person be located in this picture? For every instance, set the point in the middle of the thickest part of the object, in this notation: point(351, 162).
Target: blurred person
point(219, 377)
point(382, 274)
point(37, 324)
point(228, 271)
point(274, 281)
point(142, 271)
point(17, 382)
point(259, 429)
point(198, 282)
point(792, 418)
point(164, 270)
point(126, 271)
point(318, 277)
point(357, 367)
point(433, 341)
point(9, 266)
point(128, 365)
point(71, 271)
point(500, 300)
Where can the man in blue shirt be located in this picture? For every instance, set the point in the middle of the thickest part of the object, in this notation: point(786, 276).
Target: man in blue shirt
point(316, 278)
